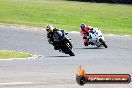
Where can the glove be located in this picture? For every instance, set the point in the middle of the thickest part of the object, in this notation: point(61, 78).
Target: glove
point(66, 33)
point(92, 32)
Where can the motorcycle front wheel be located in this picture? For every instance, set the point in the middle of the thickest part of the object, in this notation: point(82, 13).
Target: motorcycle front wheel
point(69, 51)
point(103, 43)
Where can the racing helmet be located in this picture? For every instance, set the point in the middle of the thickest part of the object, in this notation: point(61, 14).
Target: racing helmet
point(49, 28)
point(83, 26)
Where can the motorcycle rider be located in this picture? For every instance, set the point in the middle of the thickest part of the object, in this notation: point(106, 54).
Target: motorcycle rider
point(84, 31)
point(52, 35)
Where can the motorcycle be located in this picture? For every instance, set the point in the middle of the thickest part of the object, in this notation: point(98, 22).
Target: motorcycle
point(63, 42)
point(96, 38)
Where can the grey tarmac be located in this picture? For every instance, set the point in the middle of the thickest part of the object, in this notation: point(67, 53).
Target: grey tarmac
point(58, 70)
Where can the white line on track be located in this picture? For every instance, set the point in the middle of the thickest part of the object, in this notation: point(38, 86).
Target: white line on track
point(33, 57)
point(15, 83)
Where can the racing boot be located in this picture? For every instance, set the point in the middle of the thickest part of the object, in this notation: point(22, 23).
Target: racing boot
point(90, 43)
point(85, 43)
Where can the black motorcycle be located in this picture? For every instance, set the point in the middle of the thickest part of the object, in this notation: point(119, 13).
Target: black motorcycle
point(63, 42)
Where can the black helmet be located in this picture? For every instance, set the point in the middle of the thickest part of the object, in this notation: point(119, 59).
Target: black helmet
point(82, 26)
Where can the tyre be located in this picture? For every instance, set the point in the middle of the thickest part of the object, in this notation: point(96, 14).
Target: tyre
point(71, 53)
point(103, 43)
point(67, 47)
point(68, 50)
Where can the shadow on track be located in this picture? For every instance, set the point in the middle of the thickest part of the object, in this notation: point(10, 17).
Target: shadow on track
point(58, 56)
point(90, 48)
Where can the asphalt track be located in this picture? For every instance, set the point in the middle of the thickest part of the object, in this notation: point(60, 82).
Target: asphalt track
point(57, 70)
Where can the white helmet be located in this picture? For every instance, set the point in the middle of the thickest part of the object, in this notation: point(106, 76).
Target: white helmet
point(49, 28)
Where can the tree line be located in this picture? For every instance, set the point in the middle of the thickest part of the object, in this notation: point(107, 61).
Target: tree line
point(107, 1)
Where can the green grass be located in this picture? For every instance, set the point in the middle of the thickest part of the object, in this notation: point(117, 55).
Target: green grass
point(5, 54)
point(67, 15)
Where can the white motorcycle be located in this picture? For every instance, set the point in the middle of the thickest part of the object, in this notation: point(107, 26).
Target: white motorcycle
point(96, 37)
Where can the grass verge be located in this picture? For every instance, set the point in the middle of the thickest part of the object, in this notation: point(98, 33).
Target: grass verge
point(5, 54)
point(67, 15)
